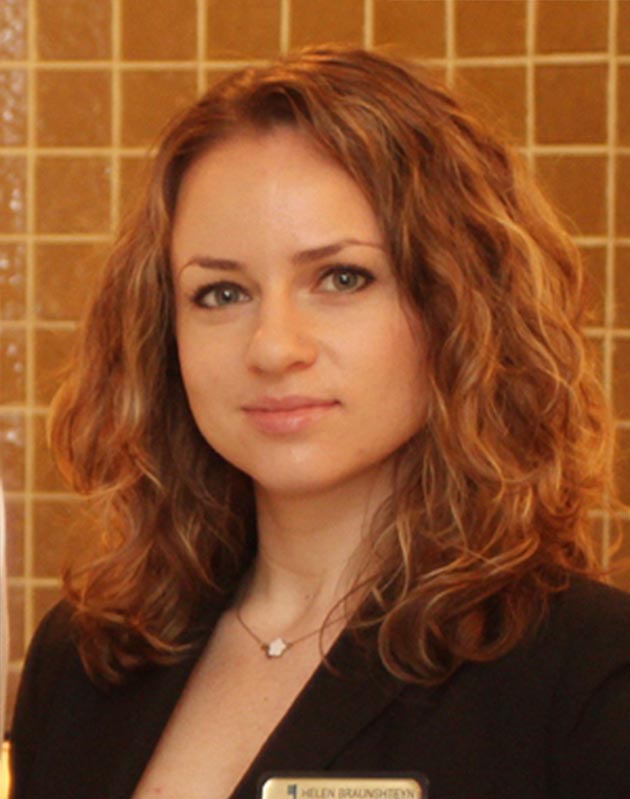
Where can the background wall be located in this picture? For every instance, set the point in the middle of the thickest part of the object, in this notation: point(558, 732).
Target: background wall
point(86, 84)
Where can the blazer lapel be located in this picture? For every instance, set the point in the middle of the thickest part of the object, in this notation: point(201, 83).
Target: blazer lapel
point(334, 706)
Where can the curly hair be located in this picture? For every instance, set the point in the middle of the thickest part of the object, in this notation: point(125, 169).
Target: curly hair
point(492, 499)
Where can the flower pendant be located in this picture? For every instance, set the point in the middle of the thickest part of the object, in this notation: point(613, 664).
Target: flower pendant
point(276, 648)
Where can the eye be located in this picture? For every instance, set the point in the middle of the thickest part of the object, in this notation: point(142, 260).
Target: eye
point(346, 279)
point(219, 295)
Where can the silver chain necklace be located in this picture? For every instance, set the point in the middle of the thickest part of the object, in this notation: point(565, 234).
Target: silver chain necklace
point(278, 646)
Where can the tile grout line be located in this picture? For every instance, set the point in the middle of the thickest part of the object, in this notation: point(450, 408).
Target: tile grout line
point(499, 61)
point(530, 93)
point(105, 151)
point(285, 27)
point(116, 116)
point(202, 22)
point(368, 24)
point(450, 41)
point(610, 290)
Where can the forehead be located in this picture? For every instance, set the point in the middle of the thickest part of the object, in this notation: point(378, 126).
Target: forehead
point(278, 185)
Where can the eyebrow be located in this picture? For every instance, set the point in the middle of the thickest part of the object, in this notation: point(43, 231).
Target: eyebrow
point(304, 256)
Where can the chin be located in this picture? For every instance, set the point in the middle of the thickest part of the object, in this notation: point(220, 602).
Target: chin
point(293, 485)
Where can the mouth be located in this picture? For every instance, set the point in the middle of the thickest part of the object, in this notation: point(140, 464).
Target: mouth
point(287, 414)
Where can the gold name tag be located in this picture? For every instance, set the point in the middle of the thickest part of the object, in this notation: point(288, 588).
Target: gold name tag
point(332, 785)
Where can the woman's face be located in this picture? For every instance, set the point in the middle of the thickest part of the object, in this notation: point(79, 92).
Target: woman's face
point(301, 365)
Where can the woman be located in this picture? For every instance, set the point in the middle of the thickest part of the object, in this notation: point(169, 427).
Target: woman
point(336, 406)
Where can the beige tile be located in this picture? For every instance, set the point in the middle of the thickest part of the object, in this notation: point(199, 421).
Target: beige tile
point(64, 275)
point(571, 104)
point(85, 97)
point(16, 622)
point(623, 105)
point(594, 260)
point(576, 184)
point(12, 194)
point(621, 378)
point(570, 26)
point(623, 26)
point(12, 367)
point(69, 30)
point(15, 537)
point(13, 24)
point(61, 534)
point(243, 29)
point(414, 28)
point(52, 353)
point(46, 474)
point(326, 21)
point(149, 99)
point(72, 195)
point(12, 280)
point(12, 446)
point(622, 286)
point(497, 95)
point(623, 196)
point(13, 99)
point(485, 27)
point(159, 30)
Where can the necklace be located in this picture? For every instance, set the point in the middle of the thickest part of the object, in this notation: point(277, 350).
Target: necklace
point(278, 646)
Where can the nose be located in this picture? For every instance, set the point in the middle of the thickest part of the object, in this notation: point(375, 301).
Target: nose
point(282, 339)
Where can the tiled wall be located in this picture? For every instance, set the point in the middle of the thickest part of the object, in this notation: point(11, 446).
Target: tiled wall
point(86, 84)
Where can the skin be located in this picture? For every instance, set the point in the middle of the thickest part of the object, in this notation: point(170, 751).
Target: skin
point(266, 313)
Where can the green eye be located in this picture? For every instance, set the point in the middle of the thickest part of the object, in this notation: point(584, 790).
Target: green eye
point(220, 295)
point(346, 279)
point(225, 295)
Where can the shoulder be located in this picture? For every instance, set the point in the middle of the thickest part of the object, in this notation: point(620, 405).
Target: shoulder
point(50, 651)
point(52, 644)
point(591, 624)
point(590, 619)
point(55, 629)
point(572, 658)
point(583, 638)
point(587, 601)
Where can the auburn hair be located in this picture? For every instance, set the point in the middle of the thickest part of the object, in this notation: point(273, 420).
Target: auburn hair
point(491, 505)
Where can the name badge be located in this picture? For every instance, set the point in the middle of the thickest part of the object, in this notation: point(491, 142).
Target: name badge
point(335, 785)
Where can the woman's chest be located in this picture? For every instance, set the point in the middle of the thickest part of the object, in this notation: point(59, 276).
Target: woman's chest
point(229, 708)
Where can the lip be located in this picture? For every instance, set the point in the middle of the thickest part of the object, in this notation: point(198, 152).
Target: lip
point(291, 414)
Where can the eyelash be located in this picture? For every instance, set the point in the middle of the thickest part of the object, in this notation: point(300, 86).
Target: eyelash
point(364, 276)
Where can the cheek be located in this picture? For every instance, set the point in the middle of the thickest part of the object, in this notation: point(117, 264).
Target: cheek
point(200, 366)
point(403, 355)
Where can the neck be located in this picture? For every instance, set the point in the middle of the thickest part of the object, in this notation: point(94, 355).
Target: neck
point(312, 549)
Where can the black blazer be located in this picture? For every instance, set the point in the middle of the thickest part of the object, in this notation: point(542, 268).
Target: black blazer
point(551, 720)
